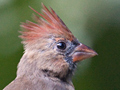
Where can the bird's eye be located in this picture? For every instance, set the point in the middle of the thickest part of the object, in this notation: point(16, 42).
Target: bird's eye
point(61, 45)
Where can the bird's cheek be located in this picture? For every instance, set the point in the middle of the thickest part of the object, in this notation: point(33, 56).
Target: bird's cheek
point(82, 52)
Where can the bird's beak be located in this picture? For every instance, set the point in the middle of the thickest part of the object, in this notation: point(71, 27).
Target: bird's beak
point(82, 52)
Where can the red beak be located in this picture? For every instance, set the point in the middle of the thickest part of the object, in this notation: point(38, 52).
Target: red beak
point(82, 52)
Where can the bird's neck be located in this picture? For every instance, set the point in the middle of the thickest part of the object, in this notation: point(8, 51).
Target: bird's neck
point(29, 69)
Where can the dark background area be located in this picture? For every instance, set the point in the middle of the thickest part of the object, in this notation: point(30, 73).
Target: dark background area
point(94, 23)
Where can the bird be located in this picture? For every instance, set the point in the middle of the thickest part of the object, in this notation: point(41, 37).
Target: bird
point(51, 54)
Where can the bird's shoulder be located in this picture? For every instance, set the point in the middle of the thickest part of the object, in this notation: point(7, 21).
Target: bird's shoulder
point(23, 83)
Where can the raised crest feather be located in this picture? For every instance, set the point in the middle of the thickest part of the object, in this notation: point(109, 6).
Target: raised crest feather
point(49, 24)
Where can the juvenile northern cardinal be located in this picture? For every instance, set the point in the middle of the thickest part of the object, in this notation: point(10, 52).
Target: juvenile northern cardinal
point(51, 54)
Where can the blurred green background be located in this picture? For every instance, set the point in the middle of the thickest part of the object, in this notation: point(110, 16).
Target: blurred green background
point(95, 23)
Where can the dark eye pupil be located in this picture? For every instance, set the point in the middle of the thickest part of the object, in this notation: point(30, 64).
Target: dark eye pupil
point(61, 45)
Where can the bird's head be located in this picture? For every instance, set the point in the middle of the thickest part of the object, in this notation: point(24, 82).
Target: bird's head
point(51, 45)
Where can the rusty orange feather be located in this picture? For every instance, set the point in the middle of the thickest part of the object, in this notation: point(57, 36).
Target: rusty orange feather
point(49, 24)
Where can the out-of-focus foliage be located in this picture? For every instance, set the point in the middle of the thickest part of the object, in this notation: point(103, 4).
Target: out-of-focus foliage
point(94, 23)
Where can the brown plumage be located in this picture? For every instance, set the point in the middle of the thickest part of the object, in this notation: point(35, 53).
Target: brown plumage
point(51, 54)
point(53, 24)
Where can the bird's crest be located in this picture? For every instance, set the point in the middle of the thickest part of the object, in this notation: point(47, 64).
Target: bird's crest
point(49, 24)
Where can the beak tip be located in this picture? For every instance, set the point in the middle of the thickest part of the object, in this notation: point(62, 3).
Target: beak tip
point(94, 53)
